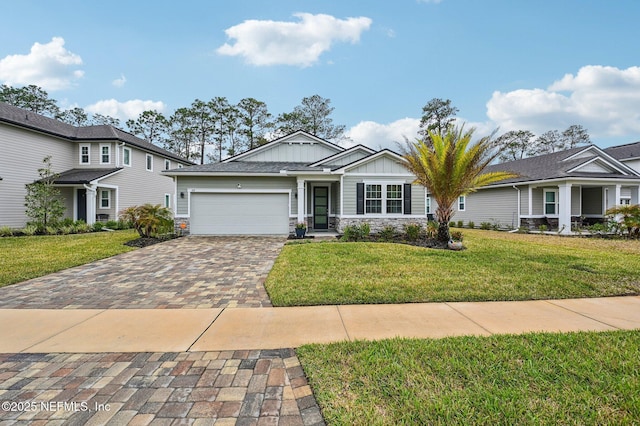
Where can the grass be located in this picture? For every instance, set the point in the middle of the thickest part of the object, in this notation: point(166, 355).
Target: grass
point(23, 258)
point(576, 378)
point(495, 266)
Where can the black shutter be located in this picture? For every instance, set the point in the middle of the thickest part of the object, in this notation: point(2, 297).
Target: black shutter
point(407, 198)
point(359, 198)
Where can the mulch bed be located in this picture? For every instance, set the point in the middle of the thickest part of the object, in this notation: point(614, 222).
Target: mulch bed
point(145, 242)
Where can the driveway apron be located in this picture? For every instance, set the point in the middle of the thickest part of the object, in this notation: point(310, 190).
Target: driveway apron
point(190, 272)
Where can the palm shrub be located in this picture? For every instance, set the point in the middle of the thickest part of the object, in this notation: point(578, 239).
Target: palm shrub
point(627, 218)
point(150, 221)
point(450, 166)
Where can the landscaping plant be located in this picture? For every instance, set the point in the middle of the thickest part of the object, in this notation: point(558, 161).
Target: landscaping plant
point(150, 221)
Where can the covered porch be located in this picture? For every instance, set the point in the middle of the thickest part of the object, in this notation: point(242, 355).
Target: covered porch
point(568, 205)
point(318, 203)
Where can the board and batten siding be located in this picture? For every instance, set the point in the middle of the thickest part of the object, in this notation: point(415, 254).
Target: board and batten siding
point(494, 205)
point(380, 166)
point(22, 155)
point(346, 159)
point(247, 183)
point(349, 192)
point(299, 152)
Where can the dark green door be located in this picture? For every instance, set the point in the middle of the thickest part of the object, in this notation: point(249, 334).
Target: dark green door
point(321, 207)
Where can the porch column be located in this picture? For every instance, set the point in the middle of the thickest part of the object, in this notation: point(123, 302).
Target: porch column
point(564, 208)
point(91, 203)
point(301, 198)
point(635, 195)
point(530, 212)
point(618, 195)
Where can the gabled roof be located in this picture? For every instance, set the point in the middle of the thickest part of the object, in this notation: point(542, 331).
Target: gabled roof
point(243, 167)
point(624, 152)
point(280, 140)
point(30, 120)
point(348, 151)
point(83, 176)
point(571, 163)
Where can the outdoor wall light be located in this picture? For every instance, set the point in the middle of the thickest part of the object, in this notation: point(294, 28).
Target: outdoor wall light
point(182, 195)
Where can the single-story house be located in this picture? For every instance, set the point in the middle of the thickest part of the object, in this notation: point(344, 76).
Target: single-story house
point(558, 190)
point(297, 178)
point(101, 169)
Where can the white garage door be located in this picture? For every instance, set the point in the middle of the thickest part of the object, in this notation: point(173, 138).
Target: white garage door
point(239, 214)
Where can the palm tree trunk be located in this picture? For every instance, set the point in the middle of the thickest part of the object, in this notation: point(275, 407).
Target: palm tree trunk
point(443, 215)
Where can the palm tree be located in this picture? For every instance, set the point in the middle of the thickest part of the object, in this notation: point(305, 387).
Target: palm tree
point(451, 166)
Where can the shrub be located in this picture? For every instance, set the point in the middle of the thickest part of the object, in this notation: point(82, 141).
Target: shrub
point(66, 230)
point(82, 227)
point(97, 227)
point(149, 220)
point(51, 230)
point(471, 225)
point(5, 231)
point(452, 224)
point(460, 224)
point(112, 224)
point(356, 232)
point(543, 228)
point(387, 233)
point(485, 225)
point(432, 229)
point(626, 219)
point(413, 231)
point(29, 230)
point(67, 221)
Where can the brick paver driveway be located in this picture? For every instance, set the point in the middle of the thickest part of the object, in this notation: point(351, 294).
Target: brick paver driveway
point(191, 272)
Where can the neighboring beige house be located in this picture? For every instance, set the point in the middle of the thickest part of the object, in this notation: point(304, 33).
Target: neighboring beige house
point(102, 169)
point(297, 178)
point(558, 190)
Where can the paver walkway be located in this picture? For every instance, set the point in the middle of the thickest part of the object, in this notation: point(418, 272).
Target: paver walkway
point(191, 272)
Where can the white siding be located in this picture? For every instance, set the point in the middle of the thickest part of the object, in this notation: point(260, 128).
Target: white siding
point(497, 205)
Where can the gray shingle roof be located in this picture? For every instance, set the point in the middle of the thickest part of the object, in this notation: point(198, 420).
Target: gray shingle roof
point(80, 176)
point(248, 167)
point(550, 166)
point(624, 152)
point(24, 118)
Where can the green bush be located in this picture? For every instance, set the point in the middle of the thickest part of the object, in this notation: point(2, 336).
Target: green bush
point(456, 235)
point(432, 229)
point(413, 231)
point(543, 228)
point(5, 231)
point(51, 230)
point(111, 224)
point(97, 227)
point(29, 230)
point(387, 233)
point(485, 225)
point(460, 224)
point(66, 230)
point(356, 232)
point(471, 225)
point(83, 228)
point(151, 221)
point(452, 224)
point(67, 221)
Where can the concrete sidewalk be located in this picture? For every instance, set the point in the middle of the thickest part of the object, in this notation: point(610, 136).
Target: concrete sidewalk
point(220, 329)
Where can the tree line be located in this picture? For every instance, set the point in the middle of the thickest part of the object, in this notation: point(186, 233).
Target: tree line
point(192, 131)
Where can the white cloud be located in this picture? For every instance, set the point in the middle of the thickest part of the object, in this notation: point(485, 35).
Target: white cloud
point(49, 66)
point(119, 82)
point(300, 43)
point(605, 100)
point(124, 110)
point(379, 136)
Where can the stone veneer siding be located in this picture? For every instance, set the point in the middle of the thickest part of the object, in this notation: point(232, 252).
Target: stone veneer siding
point(378, 224)
point(177, 226)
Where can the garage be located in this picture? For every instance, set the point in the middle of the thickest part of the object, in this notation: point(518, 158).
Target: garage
point(239, 213)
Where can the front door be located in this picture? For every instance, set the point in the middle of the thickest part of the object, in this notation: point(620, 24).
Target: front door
point(81, 211)
point(320, 207)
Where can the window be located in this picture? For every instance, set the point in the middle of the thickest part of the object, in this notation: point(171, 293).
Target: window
point(149, 162)
point(85, 154)
point(167, 200)
point(373, 199)
point(381, 198)
point(550, 202)
point(105, 199)
point(394, 199)
point(105, 154)
point(126, 157)
point(167, 164)
point(462, 203)
point(427, 203)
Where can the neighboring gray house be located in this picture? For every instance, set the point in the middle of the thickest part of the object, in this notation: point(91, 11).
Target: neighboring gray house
point(297, 178)
point(101, 169)
point(558, 189)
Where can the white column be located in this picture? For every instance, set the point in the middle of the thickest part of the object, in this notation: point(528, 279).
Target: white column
point(91, 204)
point(618, 194)
point(301, 198)
point(530, 201)
point(564, 208)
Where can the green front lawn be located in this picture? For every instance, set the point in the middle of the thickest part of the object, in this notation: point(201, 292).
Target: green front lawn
point(22, 258)
point(496, 266)
point(577, 378)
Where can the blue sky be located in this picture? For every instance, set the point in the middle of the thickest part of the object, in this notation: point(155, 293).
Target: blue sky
point(534, 65)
